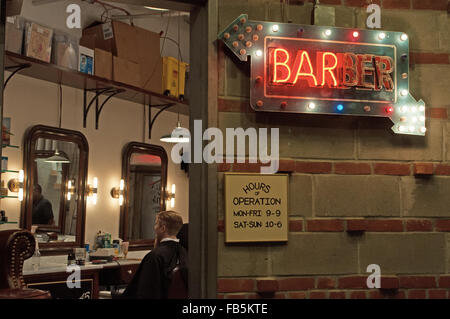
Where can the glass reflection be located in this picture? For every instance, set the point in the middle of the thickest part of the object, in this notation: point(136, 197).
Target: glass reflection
point(56, 167)
point(144, 195)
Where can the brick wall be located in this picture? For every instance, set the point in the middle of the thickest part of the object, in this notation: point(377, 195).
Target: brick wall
point(359, 194)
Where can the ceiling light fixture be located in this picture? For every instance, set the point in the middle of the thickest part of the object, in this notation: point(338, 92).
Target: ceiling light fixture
point(178, 135)
point(57, 158)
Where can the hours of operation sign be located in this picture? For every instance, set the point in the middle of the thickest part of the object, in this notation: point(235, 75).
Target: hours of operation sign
point(256, 208)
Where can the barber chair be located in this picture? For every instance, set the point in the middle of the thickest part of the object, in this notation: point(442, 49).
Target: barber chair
point(16, 245)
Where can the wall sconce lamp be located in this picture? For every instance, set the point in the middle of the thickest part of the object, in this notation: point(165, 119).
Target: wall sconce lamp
point(171, 196)
point(70, 188)
point(92, 190)
point(117, 192)
point(15, 185)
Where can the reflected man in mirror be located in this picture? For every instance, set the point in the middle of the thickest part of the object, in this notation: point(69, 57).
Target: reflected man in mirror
point(42, 208)
point(153, 278)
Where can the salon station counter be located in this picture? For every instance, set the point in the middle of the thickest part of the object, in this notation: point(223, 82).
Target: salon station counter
point(52, 275)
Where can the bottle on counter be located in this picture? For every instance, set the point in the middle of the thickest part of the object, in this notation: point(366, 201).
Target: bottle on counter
point(86, 246)
point(36, 258)
point(71, 259)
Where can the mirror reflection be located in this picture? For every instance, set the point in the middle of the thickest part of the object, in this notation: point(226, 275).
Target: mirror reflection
point(54, 200)
point(145, 189)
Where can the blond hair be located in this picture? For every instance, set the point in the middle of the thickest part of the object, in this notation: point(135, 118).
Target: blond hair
point(172, 220)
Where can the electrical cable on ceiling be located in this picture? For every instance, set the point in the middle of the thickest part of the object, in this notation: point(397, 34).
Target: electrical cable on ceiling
point(177, 44)
point(105, 15)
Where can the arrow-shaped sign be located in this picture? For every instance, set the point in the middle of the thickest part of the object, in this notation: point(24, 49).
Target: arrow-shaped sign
point(327, 70)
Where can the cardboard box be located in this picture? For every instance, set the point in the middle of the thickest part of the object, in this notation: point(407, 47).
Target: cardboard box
point(127, 72)
point(149, 57)
point(126, 41)
point(103, 64)
point(14, 34)
point(116, 37)
point(86, 60)
point(98, 36)
point(130, 43)
point(13, 7)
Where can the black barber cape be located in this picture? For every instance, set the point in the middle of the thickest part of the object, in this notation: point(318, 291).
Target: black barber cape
point(152, 278)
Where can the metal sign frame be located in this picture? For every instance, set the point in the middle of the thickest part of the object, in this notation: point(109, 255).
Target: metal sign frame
point(372, 49)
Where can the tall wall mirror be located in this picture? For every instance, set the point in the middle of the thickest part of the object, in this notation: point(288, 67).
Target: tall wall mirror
point(144, 170)
point(55, 167)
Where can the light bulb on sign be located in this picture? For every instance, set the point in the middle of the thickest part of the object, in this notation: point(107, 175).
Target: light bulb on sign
point(381, 35)
point(311, 106)
point(404, 92)
point(404, 37)
point(259, 53)
point(423, 129)
point(275, 28)
point(355, 34)
point(327, 32)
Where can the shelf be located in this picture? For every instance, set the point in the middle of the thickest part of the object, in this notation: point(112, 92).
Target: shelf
point(3, 196)
point(8, 171)
point(57, 74)
point(11, 146)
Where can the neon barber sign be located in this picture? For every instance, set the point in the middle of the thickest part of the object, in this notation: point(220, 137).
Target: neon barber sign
point(324, 70)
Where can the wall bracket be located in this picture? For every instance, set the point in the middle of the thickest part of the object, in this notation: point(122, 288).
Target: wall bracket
point(110, 92)
point(152, 121)
point(15, 68)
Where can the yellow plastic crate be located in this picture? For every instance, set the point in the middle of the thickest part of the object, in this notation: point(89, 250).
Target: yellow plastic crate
point(174, 77)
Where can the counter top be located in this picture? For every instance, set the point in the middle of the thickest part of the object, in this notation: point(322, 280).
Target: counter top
point(55, 268)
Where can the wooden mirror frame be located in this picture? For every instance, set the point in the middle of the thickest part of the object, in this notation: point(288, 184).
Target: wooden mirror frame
point(130, 148)
point(29, 143)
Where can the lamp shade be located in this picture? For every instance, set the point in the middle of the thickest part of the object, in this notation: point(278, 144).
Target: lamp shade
point(57, 158)
point(179, 135)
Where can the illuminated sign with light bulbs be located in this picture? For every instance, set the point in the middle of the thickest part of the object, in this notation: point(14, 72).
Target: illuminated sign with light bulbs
point(325, 70)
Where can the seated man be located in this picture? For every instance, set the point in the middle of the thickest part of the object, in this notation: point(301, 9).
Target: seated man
point(152, 278)
point(42, 208)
